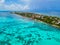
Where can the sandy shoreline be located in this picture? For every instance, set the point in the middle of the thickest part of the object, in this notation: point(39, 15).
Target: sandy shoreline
point(40, 21)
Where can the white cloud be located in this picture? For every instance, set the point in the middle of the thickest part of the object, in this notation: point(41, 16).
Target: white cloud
point(26, 0)
point(14, 6)
point(17, 7)
point(2, 1)
point(26, 7)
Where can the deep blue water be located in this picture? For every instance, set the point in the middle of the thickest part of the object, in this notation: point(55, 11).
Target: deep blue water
point(51, 7)
point(45, 12)
point(18, 30)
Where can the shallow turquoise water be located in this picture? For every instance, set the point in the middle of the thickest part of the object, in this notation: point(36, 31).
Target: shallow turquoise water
point(17, 30)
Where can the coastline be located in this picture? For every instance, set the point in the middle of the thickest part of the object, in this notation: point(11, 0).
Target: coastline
point(47, 23)
point(39, 20)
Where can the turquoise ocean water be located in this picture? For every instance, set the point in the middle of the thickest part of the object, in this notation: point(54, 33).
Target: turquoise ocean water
point(17, 30)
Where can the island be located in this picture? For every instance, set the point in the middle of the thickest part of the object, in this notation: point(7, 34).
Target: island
point(52, 20)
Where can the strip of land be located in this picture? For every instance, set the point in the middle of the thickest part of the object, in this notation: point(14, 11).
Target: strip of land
point(52, 20)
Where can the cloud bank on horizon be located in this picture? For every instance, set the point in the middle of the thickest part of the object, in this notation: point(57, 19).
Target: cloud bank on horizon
point(30, 5)
point(14, 5)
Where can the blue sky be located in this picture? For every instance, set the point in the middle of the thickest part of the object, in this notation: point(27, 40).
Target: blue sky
point(30, 5)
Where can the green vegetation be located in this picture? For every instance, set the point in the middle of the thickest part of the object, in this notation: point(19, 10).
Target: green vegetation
point(55, 21)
